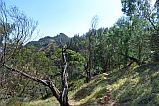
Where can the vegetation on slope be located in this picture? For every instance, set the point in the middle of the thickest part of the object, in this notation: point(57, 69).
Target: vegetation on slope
point(133, 86)
point(133, 38)
point(136, 87)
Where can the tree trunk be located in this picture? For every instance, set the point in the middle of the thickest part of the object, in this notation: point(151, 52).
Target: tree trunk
point(64, 75)
point(88, 78)
point(47, 83)
point(88, 74)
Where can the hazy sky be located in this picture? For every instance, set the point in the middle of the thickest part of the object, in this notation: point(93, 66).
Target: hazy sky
point(69, 16)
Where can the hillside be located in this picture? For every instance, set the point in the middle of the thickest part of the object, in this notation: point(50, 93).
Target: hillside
point(133, 86)
point(113, 64)
point(137, 87)
point(43, 42)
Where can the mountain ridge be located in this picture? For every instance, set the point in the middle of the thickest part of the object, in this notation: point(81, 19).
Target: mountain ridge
point(43, 42)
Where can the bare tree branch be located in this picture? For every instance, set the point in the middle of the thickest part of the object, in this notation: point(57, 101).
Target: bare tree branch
point(47, 83)
point(26, 75)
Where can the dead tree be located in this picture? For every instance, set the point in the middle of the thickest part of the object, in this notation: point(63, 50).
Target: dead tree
point(62, 96)
point(15, 30)
point(47, 83)
point(91, 41)
point(64, 75)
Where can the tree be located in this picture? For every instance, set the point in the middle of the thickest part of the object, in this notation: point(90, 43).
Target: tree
point(22, 29)
point(91, 41)
point(60, 96)
point(16, 29)
point(75, 64)
point(144, 9)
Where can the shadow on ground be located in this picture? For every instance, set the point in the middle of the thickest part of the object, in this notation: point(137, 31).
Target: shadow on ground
point(139, 87)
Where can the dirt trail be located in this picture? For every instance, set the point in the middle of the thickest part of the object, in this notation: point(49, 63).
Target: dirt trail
point(106, 99)
point(103, 101)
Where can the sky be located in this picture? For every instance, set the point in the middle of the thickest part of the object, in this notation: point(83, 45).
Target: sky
point(68, 16)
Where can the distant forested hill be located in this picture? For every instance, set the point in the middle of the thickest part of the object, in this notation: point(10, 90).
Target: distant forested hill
point(43, 42)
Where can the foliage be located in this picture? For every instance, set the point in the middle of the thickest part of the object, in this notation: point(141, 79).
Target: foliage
point(131, 42)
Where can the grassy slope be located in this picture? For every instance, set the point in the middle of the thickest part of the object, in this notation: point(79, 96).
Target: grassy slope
point(89, 93)
point(136, 86)
point(84, 95)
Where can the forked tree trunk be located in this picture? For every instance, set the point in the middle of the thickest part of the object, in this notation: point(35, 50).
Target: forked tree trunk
point(64, 75)
point(62, 96)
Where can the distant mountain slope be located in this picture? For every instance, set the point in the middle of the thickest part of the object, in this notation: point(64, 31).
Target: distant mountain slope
point(43, 42)
point(61, 38)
